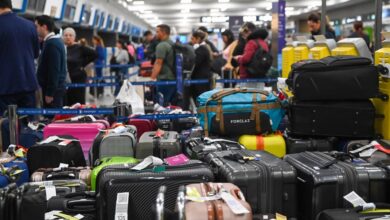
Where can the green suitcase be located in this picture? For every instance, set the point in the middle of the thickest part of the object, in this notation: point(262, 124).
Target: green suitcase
point(107, 162)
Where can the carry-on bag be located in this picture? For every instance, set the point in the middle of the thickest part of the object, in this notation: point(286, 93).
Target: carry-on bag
point(161, 144)
point(267, 182)
point(13, 170)
point(55, 150)
point(235, 112)
point(325, 179)
point(63, 173)
point(218, 208)
point(177, 125)
point(350, 119)
point(381, 212)
point(119, 141)
point(107, 162)
point(298, 145)
point(198, 148)
point(85, 131)
point(334, 78)
point(82, 203)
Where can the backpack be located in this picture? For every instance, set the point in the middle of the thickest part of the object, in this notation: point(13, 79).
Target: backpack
point(260, 63)
point(188, 54)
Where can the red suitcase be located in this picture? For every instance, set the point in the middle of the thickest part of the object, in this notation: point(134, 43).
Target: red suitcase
point(142, 125)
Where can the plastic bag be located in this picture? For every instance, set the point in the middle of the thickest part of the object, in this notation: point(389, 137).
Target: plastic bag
point(128, 95)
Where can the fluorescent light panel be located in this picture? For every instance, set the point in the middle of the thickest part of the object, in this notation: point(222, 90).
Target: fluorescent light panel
point(186, 1)
point(223, 1)
point(138, 3)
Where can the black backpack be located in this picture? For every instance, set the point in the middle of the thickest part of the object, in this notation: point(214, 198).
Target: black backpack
point(188, 54)
point(260, 63)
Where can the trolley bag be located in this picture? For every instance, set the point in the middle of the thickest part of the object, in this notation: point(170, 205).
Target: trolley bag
point(5, 204)
point(381, 212)
point(119, 141)
point(83, 203)
point(267, 182)
point(84, 130)
point(161, 144)
point(108, 161)
point(199, 148)
point(137, 190)
point(218, 208)
point(235, 112)
point(142, 125)
point(31, 200)
point(350, 119)
point(324, 180)
point(53, 151)
point(13, 170)
point(63, 173)
point(334, 78)
point(298, 145)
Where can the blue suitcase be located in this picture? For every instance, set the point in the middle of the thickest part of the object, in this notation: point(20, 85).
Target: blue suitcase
point(27, 136)
point(21, 178)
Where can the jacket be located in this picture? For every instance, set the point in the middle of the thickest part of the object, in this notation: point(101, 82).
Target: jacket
point(202, 68)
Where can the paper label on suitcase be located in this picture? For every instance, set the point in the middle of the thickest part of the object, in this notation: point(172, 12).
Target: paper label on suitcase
point(236, 207)
point(122, 201)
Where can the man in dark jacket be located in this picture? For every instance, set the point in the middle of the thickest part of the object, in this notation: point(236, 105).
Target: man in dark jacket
point(52, 70)
point(19, 46)
point(314, 24)
point(359, 32)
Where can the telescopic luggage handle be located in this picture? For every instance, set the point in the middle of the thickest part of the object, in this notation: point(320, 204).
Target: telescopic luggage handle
point(160, 203)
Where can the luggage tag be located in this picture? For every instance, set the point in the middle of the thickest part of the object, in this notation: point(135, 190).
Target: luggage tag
point(147, 162)
point(65, 142)
point(194, 195)
point(50, 190)
point(122, 202)
point(49, 139)
point(236, 207)
point(280, 217)
point(357, 201)
point(176, 160)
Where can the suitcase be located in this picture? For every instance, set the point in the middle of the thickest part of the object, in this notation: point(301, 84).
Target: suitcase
point(199, 148)
point(85, 132)
point(146, 69)
point(142, 125)
point(235, 112)
point(69, 173)
point(273, 143)
point(16, 170)
point(31, 198)
point(334, 78)
point(203, 210)
point(177, 125)
point(120, 141)
point(165, 146)
point(298, 145)
point(350, 119)
point(63, 149)
point(107, 162)
point(267, 182)
point(324, 180)
point(137, 190)
point(5, 204)
point(382, 211)
point(83, 203)
point(27, 136)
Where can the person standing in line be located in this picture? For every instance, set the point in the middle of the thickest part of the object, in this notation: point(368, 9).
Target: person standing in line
point(213, 49)
point(98, 44)
point(19, 46)
point(359, 32)
point(314, 24)
point(78, 57)
point(52, 70)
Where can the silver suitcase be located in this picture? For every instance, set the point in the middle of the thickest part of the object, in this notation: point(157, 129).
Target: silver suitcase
point(168, 145)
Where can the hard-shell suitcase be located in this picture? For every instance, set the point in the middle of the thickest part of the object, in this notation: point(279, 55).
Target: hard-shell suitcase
point(82, 203)
point(120, 141)
point(298, 145)
point(199, 148)
point(334, 78)
point(137, 190)
point(381, 212)
point(324, 180)
point(107, 162)
point(142, 125)
point(351, 119)
point(5, 204)
point(273, 143)
point(85, 132)
point(382, 124)
point(168, 145)
point(267, 182)
point(58, 149)
point(15, 170)
point(69, 173)
point(203, 210)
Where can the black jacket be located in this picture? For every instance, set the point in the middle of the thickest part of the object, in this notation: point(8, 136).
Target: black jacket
point(202, 68)
point(78, 57)
point(329, 33)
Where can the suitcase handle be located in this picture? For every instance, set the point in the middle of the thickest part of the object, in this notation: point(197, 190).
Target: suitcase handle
point(61, 175)
point(180, 202)
point(80, 205)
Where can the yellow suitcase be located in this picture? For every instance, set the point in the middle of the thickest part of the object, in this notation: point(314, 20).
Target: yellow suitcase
point(319, 52)
point(287, 60)
point(274, 144)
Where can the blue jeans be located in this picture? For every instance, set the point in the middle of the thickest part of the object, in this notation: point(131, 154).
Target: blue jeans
point(169, 93)
point(22, 100)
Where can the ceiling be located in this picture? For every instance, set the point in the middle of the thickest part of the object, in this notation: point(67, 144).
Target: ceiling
point(186, 16)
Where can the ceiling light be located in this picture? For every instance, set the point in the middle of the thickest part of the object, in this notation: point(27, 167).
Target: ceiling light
point(186, 1)
point(289, 8)
point(187, 10)
point(138, 2)
point(223, 1)
point(251, 9)
point(224, 9)
point(129, 0)
point(147, 12)
point(213, 10)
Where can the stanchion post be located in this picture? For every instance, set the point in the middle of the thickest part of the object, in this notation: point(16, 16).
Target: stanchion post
point(13, 124)
point(378, 24)
point(323, 17)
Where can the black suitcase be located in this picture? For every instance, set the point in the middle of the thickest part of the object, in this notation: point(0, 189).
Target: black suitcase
point(6, 195)
point(324, 181)
point(382, 210)
point(334, 78)
point(298, 145)
point(83, 203)
point(178, 125)
point(199, 148)
point(268, 183)
point(50, 155)
point(351, 119)
point(143, 186)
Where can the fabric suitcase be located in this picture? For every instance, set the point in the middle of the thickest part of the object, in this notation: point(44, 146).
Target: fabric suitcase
point(324, 180)
point(69, 173)
point(382, 211)
point(142, 187)
point(167, 145)
point(58, 149)
point(235, 112)
point(85, 132)
point(142, 125)
point(16, 170)
point(298, 145)
point(120, 141)
point(83, 203)
point(30, 201)
point(107, 162)
point(202, 210)
point(382, 124)
point(199, 148)
point(334, 78)
point(351, 119)
point(267, 182)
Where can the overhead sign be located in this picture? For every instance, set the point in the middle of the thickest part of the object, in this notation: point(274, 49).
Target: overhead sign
point(55, 8)
point(235, 23)
point(214, 19)
point(19, 5)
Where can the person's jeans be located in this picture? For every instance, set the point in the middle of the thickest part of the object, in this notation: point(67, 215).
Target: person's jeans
point(169, 93)
point(22, 100)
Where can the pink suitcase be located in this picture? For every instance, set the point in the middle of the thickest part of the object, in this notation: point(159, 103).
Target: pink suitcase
point(85, 132)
